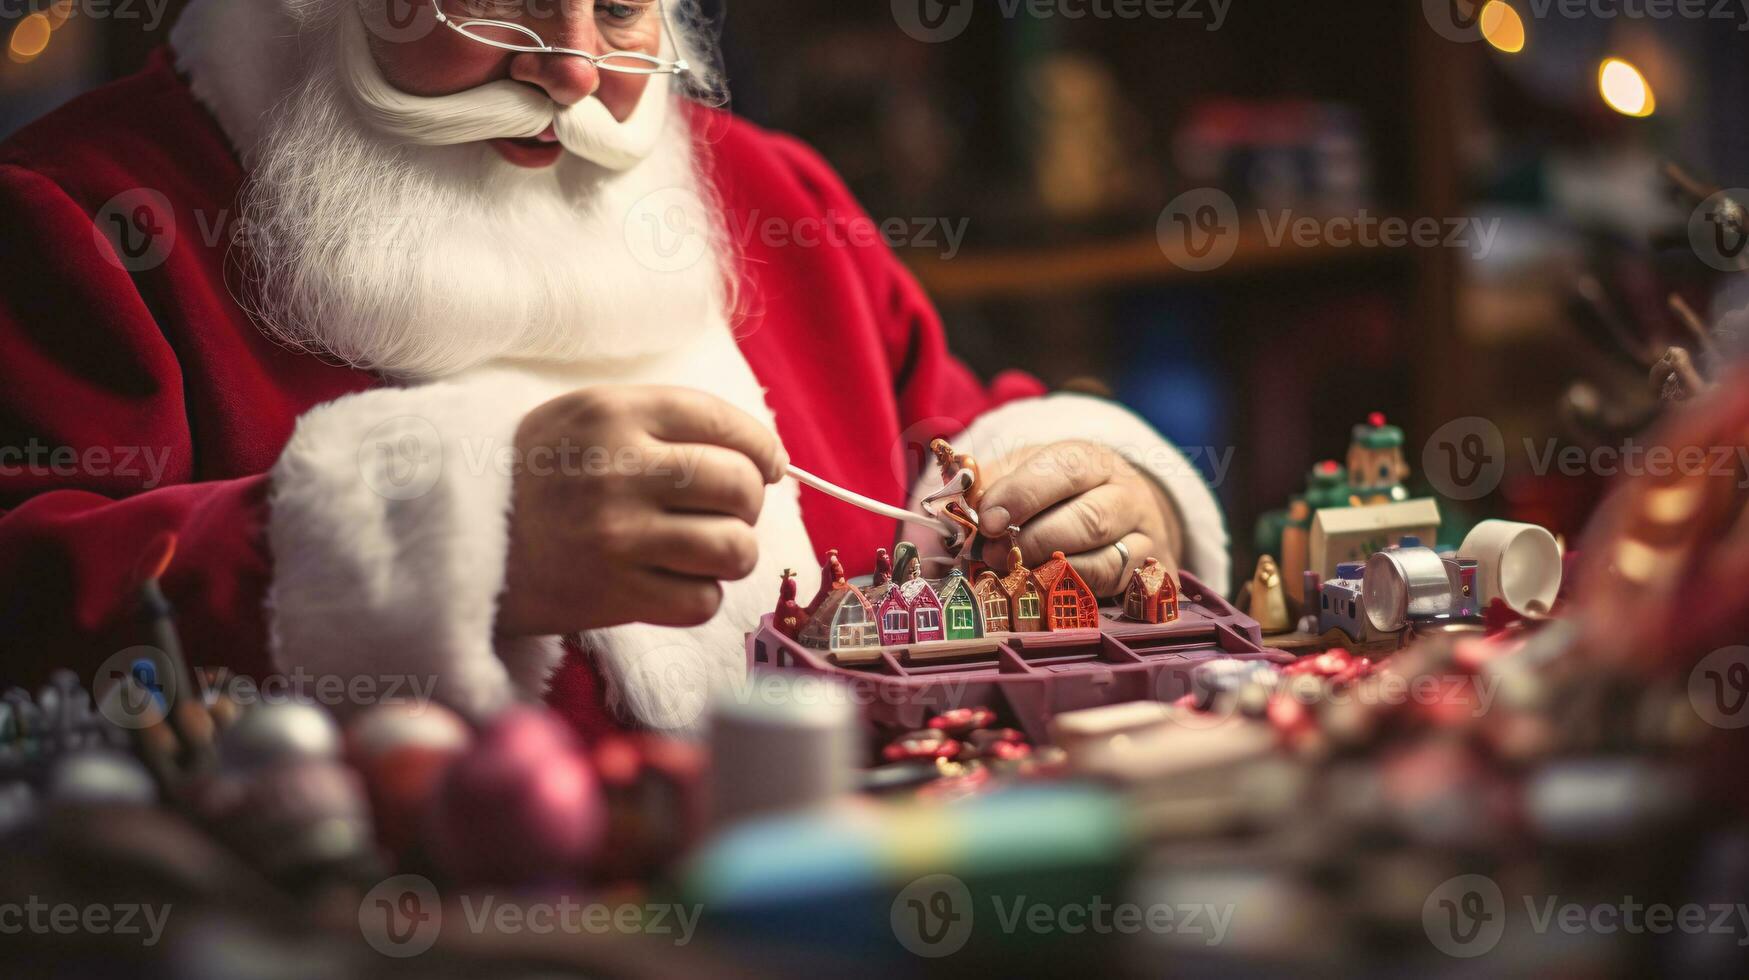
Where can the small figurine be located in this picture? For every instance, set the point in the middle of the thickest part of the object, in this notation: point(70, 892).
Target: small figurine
point(957, 500)
point(1152, 595)
point(1376, 468)
point(790, 617)
point(831, 578)
point(1268, 600)
point(1069, 603)
point(1025, 598)
point(959, 607)
point(909, 611)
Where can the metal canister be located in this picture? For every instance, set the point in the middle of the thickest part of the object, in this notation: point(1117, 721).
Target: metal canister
point(1403, 584)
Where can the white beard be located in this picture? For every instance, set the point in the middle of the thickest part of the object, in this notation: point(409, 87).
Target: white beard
point(422, 261)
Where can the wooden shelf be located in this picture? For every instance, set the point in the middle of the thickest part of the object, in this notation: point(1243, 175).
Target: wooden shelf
point(1126, 261)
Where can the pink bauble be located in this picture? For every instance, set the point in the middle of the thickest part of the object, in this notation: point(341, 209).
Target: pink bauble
point(522, 806)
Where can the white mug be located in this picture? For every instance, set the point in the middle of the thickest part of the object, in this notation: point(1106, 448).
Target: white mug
point(1517, 563)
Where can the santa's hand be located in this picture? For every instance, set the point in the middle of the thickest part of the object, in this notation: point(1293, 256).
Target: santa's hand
point(632, 504)
point(1079, 498)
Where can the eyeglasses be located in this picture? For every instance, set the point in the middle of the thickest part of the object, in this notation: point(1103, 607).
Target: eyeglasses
point(506, 36)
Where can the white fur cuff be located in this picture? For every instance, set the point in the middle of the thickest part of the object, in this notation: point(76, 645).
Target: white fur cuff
point(1065, 416)
point(389, 531)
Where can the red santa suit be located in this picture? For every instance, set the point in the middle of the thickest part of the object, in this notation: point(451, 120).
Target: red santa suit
point(140, 398)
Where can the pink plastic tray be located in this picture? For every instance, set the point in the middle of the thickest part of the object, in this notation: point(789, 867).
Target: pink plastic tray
point(1028, 678)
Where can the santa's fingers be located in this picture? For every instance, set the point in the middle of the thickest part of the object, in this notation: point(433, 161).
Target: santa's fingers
point(664, 598)
point(1107, 570)
point(1044, 477)
point(710, 480)
point(686, 415)
point(719, 548)
point(1085, 522)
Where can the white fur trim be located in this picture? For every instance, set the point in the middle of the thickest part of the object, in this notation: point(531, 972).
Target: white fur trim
point(1067, 416)
point(374, 577)
point(389, 531)
point(239, 56)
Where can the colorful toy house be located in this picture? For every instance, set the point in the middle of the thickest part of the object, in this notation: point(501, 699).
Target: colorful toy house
point(1152, 596)
point(993, 603)
point(923, 606)
point(959, 607)
point(843, 621)
point(1025, 597)
point(1068, 603)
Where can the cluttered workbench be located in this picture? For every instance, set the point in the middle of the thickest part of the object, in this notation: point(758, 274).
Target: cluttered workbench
point(1391, 753)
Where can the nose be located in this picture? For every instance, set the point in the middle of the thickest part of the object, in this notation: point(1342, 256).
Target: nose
point(566, 79)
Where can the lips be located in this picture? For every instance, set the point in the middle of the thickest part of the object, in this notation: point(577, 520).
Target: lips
point(537, 151)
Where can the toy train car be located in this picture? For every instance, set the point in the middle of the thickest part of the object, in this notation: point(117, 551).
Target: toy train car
point(1406, 584)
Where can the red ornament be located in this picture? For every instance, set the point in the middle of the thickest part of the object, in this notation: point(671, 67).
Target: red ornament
point(925, 744)
point(962, 721)
point(522, 806)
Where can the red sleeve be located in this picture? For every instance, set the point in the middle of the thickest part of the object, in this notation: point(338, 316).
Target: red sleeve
point(96, 460)
point(929, 382)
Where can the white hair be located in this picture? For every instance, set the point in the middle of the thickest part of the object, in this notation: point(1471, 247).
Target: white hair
point(379, 232)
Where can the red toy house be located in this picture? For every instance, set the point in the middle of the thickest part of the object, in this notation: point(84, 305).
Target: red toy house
point(1152, 596)
point(1068, 603)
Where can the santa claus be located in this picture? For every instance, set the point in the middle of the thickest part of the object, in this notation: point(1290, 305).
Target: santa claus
point(419, 323)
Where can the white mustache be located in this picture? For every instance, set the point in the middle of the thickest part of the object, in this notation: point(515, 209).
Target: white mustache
point(499, 110)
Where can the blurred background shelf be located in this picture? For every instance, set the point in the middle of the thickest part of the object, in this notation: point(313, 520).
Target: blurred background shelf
point(1135, 260)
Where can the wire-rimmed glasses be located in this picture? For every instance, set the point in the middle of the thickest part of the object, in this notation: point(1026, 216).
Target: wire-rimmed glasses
point(506, 36)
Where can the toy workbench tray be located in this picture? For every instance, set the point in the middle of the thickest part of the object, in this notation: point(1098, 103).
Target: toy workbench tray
point(1029, 677)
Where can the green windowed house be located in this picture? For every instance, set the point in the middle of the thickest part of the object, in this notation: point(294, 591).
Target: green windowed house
point(959, 608)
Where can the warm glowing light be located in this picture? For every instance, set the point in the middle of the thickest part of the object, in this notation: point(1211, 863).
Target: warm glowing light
point(1502, 26)
point(29, 38)
point(1624, 88)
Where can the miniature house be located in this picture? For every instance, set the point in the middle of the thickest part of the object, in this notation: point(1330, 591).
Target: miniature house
point(924, 606)
point(992, 599)
point(1025, 598)
point(1068, 603)
point(1152, 596)
point(959, 608)
point(844, 621)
